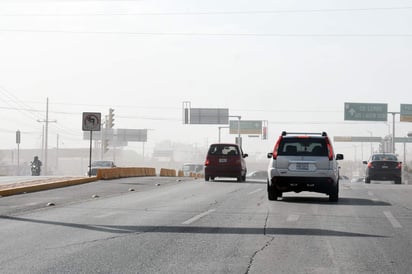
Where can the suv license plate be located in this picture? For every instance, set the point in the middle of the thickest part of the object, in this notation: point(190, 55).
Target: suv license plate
point(222, 160)
point(302, 166)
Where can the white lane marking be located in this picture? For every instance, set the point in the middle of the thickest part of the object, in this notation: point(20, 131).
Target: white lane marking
point(392, 219)
point(197, 217)
point(255, 191)
point(292, 218)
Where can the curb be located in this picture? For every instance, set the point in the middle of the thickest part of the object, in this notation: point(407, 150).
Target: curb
point(44, 186)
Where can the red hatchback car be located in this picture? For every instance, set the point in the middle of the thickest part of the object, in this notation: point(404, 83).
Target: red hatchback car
point(225, 160)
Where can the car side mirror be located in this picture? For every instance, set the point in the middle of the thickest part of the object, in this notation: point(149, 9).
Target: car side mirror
point(270, 155)
point(245, 155)
point(339, 156)
point(365, 162)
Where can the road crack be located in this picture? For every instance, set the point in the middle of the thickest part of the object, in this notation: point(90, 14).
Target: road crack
point(266, 245)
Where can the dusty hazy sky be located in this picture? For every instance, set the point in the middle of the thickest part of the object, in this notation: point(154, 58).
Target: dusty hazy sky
point(293, 63)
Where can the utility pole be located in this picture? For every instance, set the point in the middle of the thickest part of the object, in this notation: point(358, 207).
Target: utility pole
point(46, 121)
point(393, 130)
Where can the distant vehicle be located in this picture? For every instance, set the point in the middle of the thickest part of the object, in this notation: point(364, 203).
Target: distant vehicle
point(225, 160)
point(258, 174)
point(192, 168)
point(383, 167)
point(303, 162)
point(101, 164)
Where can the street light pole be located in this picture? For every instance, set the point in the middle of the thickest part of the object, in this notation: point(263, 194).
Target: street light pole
point(46, 121)
point(370, 132)
point(393, 130)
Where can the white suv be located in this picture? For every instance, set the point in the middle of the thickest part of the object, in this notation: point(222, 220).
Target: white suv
point(303, 162)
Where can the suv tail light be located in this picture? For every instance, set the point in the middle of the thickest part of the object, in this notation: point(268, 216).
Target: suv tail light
point(330, 149)
point(399, 166)
point(370, 165)
point(275, 150)
point(207, 162)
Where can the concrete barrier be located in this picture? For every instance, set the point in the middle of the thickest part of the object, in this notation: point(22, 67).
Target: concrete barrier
point(124, 172)
point(39, 185)
point(167, 172)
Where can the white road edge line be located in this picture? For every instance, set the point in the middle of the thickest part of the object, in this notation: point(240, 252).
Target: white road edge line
point(197, 217)
point(392, 219)
point(255, 191)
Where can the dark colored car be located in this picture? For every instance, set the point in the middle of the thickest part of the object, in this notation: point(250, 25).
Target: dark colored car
point(225, 160)
point(383, 167)
point(101, 164)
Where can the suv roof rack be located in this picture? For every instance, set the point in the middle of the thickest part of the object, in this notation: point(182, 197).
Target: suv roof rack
point(323, 133)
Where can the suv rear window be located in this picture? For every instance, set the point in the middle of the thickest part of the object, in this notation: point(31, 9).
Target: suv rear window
point(303, 146)
point(223, 150)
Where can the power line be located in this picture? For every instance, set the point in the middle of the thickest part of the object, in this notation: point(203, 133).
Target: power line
point(199, 34)
point(207, 13)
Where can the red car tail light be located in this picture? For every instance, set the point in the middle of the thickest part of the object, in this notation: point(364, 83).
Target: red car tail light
point(330, 149)
point(207, 162)
point(370, 165)
point(399, 166)
point(275, 150)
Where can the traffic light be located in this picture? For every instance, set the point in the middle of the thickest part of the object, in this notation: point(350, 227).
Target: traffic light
point(110, 121)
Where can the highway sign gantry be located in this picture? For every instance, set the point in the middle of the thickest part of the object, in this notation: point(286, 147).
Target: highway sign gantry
point(366, 112)
point(406, 113)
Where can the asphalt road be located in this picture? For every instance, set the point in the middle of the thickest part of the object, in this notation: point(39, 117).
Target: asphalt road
point(191, 226)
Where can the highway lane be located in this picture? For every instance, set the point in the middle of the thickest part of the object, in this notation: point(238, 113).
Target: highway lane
point(199, 227)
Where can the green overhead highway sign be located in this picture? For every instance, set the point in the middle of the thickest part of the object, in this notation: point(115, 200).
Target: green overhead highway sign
point(366, 112)
point(406, 113)
point(246, 127)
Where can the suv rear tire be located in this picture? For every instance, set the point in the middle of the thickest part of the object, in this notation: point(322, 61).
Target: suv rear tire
point(334, 195)
point(273, 193)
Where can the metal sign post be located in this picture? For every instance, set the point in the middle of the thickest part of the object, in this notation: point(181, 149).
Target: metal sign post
point(18, 151)
point(91, 122)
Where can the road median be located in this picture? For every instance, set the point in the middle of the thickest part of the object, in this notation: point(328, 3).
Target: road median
point(42, 184)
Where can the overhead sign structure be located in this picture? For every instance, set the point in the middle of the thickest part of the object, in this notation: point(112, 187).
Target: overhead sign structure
point(366, 112)
point(403, 140)
point(91, 121)
point(119, 135)
point(131, 135)
point(406, 113)
point(245, 127)
point(209, 116)
point(360, 139)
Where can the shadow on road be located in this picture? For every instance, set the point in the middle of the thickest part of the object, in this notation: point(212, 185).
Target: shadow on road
point(342, 201)
point(236, 182)
point(128, 229)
